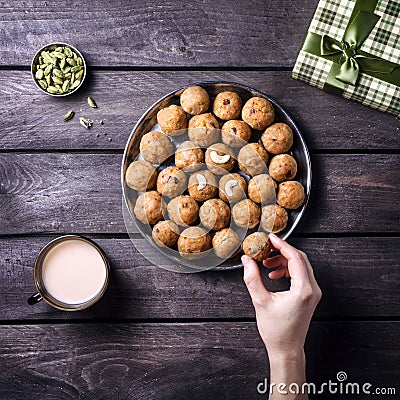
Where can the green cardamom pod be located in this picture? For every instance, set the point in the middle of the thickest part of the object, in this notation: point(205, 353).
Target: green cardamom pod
point(68, 52)
point(48, 69)
point(79, 74)
point(58, 54)
point(65, 86)
point(62, 63)
point(75, 84)
point(71, 62)
point(91, 102)
point(52, 89)
point(58, 73)
point(39, 74)
point(43, 84)
point(46, 57)
point(57, 80)
point(70, 114)
point(76, 69)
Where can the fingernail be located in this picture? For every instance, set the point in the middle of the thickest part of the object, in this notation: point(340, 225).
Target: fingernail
point(245, 259)
point(272, 235)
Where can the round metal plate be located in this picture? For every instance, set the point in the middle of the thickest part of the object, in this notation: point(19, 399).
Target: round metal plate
point(149, 119)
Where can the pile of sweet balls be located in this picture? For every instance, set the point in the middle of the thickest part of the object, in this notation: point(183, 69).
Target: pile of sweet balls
point(206, 177)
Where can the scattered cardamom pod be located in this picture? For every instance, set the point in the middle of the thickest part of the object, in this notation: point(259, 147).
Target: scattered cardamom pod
point(91, 102)
point(69, 115)
point(87, 123)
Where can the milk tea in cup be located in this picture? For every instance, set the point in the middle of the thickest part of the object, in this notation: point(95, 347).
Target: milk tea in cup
point(71, 273)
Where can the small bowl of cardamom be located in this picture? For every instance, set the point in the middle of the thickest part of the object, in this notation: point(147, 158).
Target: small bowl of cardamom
point(58, 69)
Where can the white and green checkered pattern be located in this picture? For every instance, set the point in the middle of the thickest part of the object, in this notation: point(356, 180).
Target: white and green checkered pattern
point(331, 18)
point(312, 69)
point(384, 40)
point(375, 93)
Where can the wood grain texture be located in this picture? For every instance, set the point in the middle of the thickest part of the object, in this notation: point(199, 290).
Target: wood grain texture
point(163, 33)
point(31, 120)
point(359, 277)
point(64, 192)
point(117, 353)
point(180, 361)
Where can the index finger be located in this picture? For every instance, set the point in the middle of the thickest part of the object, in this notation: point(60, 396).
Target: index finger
point(297, 266)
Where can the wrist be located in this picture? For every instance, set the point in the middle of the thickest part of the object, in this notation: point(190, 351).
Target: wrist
point(287, 368)
point(287, 357)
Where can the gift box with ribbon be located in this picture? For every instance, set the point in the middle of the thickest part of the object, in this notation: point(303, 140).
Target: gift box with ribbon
point(352, 48)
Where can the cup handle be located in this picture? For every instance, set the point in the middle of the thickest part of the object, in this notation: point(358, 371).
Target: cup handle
point(34, 299)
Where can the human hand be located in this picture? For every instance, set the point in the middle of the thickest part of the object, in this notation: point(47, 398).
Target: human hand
point(283, 318)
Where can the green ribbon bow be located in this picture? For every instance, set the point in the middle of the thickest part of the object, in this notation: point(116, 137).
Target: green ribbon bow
point(351, 57)
point(347, 58)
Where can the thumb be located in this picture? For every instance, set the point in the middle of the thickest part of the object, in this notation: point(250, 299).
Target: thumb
point(252, 278)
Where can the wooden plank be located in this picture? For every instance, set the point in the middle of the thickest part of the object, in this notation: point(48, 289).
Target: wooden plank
point(64, 192)
point(353, 193)
point(358, 276)
point(31, 120)
point(114, 33)
point(181, 361)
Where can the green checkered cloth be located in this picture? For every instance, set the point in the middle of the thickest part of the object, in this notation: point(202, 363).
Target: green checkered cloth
point(332, 18)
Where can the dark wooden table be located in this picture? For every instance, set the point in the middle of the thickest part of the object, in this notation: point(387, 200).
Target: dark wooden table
point(157, 334)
